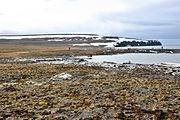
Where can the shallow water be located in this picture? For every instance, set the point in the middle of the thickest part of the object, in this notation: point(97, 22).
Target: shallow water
point(141, 58)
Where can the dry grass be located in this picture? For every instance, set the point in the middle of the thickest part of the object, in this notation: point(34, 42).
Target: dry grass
point(13, 51)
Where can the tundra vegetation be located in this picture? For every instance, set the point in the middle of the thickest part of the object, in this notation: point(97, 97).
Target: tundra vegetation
point(30, 90)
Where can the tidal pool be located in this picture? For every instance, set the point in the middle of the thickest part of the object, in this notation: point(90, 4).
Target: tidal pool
point(141, 58)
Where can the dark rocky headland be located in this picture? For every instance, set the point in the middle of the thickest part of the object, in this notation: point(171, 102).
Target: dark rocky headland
point(138, 43)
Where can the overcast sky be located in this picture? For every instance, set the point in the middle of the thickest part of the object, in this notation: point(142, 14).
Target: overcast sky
point(133, 18)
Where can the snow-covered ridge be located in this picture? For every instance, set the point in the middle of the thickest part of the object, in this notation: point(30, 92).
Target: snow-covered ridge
point(85, 39)
point(115, 41)
point(111, 38)
point(48, 36)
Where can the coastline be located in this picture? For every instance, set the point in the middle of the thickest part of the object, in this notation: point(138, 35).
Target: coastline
point(49, 81)
point(73, 88)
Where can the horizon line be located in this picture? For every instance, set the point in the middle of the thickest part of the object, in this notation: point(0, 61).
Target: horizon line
point(40, 34)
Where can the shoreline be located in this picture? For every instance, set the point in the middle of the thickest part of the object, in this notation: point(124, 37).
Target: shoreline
point(52, 83)
point(167, 68)
point(15, 51)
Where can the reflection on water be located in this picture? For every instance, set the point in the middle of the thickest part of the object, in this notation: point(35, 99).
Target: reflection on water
point(142, 58)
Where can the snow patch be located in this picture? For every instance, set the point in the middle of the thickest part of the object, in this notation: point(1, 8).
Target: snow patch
point(62, 76)
point(83, 44)
point(108, 44)
point(47, 36)
point(170, 64)
point(55, 40)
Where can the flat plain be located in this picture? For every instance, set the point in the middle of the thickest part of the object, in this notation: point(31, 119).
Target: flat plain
point(30, 90)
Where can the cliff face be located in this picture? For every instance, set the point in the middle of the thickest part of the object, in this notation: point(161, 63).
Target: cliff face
point(138, 43)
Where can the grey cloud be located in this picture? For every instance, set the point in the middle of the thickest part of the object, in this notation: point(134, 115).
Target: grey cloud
point(161, 20)
point(157, 20)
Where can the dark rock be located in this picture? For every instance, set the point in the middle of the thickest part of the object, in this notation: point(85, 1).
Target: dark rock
point(138, 43)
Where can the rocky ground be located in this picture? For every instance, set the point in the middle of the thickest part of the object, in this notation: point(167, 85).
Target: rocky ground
point(73, 91)
point(35, 83)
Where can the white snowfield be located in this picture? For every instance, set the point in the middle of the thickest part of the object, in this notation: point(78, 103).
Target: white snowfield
point(115, 41)
point(62, 37)
point(47, 36)
point(65, 36)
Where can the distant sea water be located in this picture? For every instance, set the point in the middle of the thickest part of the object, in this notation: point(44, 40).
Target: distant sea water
point(166, 44)
point(141, 58)
point(170, 43)
point(145, 58)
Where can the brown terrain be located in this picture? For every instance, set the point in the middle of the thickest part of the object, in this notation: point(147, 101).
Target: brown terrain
point(36, 91)
point(73, 91)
